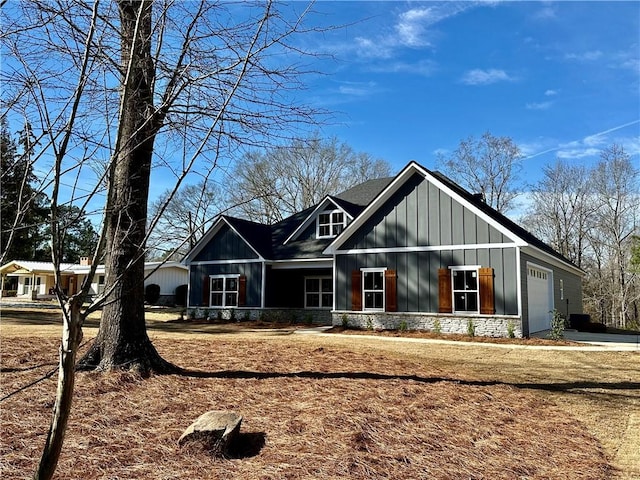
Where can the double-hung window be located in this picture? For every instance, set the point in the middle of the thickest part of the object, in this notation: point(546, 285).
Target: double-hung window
point(318, 292)
point(224, 290)
point(330, 223)
point(26, 288)
point(465, 289)
point(373, 292)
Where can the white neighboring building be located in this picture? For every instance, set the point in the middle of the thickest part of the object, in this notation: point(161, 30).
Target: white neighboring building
point(36, 280)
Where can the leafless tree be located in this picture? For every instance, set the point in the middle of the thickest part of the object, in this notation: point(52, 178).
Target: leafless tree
point(562, 208)
point(617, 195)
point(270, 186)
point(591, 216)
point(140, 86)
point(185, 219)
point(488, 165)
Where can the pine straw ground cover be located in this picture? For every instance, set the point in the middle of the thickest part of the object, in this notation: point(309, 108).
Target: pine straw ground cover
point(310, 412)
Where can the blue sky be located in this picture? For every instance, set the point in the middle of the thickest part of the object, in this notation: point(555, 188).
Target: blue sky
point(411, 79)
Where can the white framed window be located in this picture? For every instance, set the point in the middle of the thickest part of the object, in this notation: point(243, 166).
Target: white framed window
point(464, 282)
point(330, 223)
point(224, 290)
point(373, 293)
point(318, 292)
point(100, 284)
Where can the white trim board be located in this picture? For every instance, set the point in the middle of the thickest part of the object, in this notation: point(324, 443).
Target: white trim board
point(227, 262)
point(425, 248)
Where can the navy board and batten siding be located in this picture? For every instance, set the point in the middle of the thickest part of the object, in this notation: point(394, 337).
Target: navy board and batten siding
point(226, 253)
point(417, 276)
point(410, 234)
point(225, 245)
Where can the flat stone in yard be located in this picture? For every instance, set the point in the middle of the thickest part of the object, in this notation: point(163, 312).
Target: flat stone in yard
point(214, 431)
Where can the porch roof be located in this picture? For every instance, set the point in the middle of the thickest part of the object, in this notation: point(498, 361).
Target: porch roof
point(24, 267)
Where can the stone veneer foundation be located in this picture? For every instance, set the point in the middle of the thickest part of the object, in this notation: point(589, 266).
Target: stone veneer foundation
point(488, 326)
point(281, 315)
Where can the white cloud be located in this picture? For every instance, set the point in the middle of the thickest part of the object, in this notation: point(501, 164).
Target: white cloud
point(533, 148)
point(595, 140)
point(539, 106)
point(367, 48)
point(589, 56)
point(426, 68)
point(412, 25)
point(485, 77)
point(577, 153)
point(438, 152)
point(589, 146)
point(628, 60)
point(357, 89)
point(592, 145)
point(632, 146)
point(550, 93)
point(631, 64)
point(413, 28)
point(545, 13)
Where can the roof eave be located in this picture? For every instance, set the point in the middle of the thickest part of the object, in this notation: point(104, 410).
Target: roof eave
point(552, 259)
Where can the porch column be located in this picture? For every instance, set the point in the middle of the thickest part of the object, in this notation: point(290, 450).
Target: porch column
point(34, 292)
point(263, 287)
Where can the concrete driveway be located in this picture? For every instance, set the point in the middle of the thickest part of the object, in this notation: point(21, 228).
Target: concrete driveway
point(622, 342)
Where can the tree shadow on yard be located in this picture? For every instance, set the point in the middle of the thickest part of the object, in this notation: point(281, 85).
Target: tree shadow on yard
point(574, 387)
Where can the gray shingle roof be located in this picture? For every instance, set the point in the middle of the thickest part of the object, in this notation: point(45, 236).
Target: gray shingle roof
point(268, 240)
point(364, 193)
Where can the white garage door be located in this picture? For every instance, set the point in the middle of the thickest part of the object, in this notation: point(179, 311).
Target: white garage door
point(540, 298)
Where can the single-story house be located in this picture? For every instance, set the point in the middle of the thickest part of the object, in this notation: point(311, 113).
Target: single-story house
point(36, 280)
point(415, 250)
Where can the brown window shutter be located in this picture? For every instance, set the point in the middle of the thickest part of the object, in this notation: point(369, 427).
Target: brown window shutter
point(356, 290)
point(487, 305)
point(206, 286)
point(242, 290)
point(444, 291)
point(391, 292)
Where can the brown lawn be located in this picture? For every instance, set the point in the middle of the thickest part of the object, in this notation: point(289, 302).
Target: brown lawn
point(326, 407)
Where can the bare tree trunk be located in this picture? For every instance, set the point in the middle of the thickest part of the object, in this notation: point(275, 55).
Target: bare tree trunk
point(71, 338)
point(122, 340)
